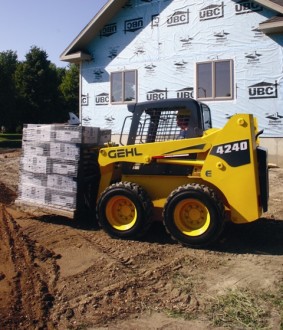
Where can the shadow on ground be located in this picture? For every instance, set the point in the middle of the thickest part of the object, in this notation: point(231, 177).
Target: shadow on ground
point(264, 236)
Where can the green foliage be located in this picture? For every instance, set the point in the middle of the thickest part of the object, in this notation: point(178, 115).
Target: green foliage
point(35, 90)
point(8, 95)
point(37, 83)
point(69, 88)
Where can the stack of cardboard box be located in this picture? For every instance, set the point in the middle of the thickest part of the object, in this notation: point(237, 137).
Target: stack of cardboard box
point(52, 158)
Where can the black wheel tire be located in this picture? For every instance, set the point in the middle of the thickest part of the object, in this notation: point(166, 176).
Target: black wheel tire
point(193, 215)
point(124, 210)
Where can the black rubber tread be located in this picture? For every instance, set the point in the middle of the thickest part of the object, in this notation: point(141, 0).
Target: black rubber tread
point(197, 242)
point(141, 196)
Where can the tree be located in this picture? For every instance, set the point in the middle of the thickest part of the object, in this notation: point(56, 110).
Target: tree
point(8, 97)
point(69, 88)
point(35, 90)
point(37, 83)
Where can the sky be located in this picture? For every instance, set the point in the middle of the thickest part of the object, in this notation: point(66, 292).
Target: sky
point(50, 25)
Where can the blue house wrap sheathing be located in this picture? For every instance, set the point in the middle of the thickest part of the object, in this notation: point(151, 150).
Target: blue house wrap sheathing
point(227, 54)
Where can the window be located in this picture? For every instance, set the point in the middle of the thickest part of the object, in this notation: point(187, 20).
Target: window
point(215, 80)
point(124, 86)
point(206, 117)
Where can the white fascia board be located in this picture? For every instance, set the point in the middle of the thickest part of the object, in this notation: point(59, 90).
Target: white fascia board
point(273, 27)
point(271, 5)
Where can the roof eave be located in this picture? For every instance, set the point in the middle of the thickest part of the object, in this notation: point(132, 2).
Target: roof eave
point(271, 5)
point(76, 58)
point(274, 27)
point(107, 12)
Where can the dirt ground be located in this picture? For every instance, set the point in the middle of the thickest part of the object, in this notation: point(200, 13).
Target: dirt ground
point(57, 274)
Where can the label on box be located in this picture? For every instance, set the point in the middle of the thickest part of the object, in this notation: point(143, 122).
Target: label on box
point(60, 182)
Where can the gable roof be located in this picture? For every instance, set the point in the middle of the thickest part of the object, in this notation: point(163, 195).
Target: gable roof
point(74, 52)
point(274, 24)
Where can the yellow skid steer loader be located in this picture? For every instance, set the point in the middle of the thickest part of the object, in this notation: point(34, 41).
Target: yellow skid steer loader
point(177, 168)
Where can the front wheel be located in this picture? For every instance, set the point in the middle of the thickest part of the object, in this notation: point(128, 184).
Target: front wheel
point(193, 215)
point(124, 210)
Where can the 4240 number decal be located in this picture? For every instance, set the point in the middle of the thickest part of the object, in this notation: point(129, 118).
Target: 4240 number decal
point(231, 147)
point(236, 153)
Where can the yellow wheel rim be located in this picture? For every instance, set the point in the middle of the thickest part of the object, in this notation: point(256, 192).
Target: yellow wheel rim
point(121, 213)
point(191, 217)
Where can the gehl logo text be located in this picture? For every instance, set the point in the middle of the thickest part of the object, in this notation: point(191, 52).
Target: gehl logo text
point(124, 153)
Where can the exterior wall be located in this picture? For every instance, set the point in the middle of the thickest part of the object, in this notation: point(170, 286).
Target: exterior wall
point(164, 39)
point(275, 147)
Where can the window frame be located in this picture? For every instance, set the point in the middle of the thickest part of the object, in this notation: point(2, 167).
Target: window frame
point(213, 97)
point(123, 74)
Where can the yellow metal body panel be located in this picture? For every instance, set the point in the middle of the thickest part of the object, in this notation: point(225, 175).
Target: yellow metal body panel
point(159, 187)
point(226, 161)
point(239, 184)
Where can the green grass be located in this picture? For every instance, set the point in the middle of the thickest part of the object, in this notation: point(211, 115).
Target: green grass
point(10, 140)
point(245, 309)
point(10, 136)
point(239, 309)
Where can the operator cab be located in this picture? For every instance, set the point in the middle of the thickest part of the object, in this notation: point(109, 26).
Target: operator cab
point(165, 120)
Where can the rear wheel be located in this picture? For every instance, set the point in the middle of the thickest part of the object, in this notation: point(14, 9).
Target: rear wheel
point(193, 215)
point(124, 210)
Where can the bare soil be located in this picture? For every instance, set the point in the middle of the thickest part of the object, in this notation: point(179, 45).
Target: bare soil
point(57, 273)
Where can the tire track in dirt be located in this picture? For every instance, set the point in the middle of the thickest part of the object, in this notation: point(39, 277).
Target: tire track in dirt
point(130, 277)
point(136, 277)
point(103, 281)
point(30, 272)
point(108, 280)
